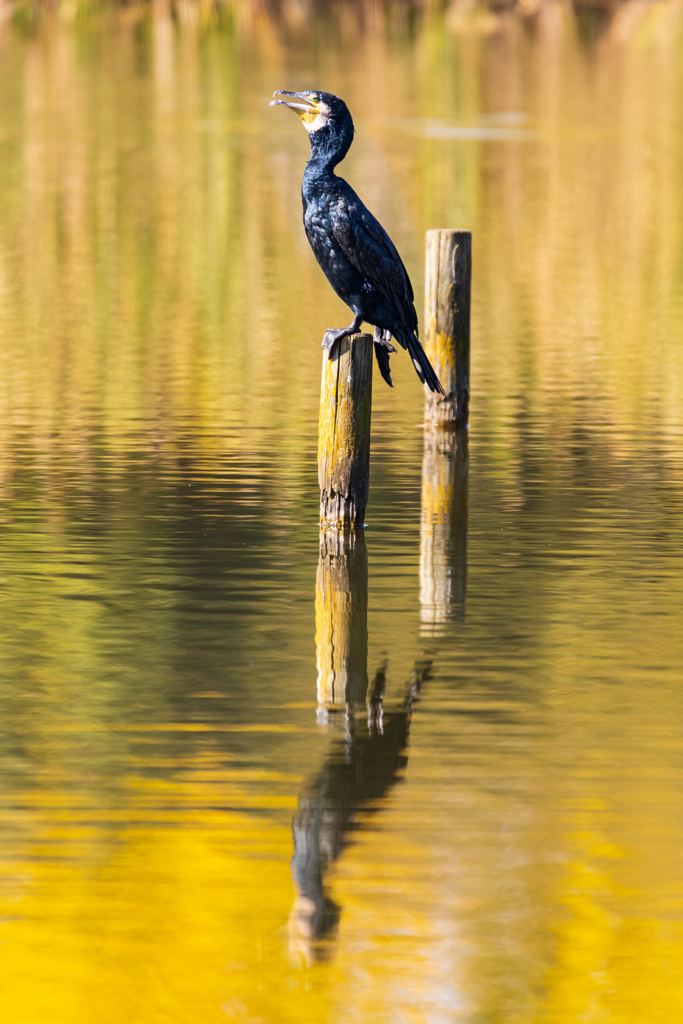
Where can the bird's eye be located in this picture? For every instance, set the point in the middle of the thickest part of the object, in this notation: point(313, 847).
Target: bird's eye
point(315, 98)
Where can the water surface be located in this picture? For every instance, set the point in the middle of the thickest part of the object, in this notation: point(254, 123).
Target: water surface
point(499, 831)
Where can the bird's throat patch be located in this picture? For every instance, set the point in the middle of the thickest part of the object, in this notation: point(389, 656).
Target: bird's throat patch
point(308, 116)
point(312, 119)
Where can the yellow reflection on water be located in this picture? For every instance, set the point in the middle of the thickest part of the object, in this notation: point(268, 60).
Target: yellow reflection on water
point(178, 923)
point(613, 963)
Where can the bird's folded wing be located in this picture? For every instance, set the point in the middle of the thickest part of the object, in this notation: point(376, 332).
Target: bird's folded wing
point(369, 248)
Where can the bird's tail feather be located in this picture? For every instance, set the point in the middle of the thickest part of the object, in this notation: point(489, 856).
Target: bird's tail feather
point(423, 367)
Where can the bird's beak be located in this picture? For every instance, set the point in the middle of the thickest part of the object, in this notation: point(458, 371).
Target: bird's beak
point(307, 110)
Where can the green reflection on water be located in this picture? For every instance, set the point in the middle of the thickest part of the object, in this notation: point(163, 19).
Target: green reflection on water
point(160, 323)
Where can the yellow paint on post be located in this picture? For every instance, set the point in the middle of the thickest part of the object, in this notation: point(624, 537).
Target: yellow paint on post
point(344, 432)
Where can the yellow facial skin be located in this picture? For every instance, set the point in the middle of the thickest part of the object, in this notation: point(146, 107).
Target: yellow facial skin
point(308, 116)
point(314, 118)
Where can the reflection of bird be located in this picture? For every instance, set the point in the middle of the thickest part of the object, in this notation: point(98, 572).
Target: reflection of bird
point(359, 259)
point(356, 775)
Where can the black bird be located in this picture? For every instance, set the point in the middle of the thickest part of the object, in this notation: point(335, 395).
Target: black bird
point(356, 254)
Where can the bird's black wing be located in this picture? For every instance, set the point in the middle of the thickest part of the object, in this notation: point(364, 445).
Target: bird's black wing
point(369, 248)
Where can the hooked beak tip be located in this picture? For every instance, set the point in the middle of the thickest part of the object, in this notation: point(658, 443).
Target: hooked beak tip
point(282, 103)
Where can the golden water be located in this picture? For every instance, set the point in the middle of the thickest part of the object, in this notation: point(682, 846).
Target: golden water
point(160, 324)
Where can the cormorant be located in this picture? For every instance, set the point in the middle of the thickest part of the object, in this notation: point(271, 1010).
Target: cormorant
point(356, 254)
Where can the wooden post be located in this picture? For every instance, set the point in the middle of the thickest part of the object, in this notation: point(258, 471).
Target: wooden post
point(443, 530)
point(341, 620)
point(344, 432)
point(447, 324)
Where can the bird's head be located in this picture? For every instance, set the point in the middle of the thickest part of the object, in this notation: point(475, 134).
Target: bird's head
point(325, 117)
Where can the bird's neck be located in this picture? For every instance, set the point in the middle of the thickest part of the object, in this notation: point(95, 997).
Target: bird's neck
point(318, 170)
point(329, 146)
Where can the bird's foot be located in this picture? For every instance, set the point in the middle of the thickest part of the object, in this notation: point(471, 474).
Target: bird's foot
point(331, 336)
point(383, 338)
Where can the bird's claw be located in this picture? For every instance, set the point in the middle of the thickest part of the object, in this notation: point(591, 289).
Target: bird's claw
point(329, 338)
point(383, 338)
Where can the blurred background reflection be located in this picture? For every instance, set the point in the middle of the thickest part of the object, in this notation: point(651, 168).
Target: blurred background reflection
point(160, 325)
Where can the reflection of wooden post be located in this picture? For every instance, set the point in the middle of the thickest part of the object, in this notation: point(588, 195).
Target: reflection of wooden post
point(344, 432)
point(341, 619)
point(443, 530)
point(447, 324)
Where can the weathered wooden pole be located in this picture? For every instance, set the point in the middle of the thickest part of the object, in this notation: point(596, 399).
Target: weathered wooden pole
point(447, 324)
point(443, 529)
point(341, 620)
point(344, 433)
